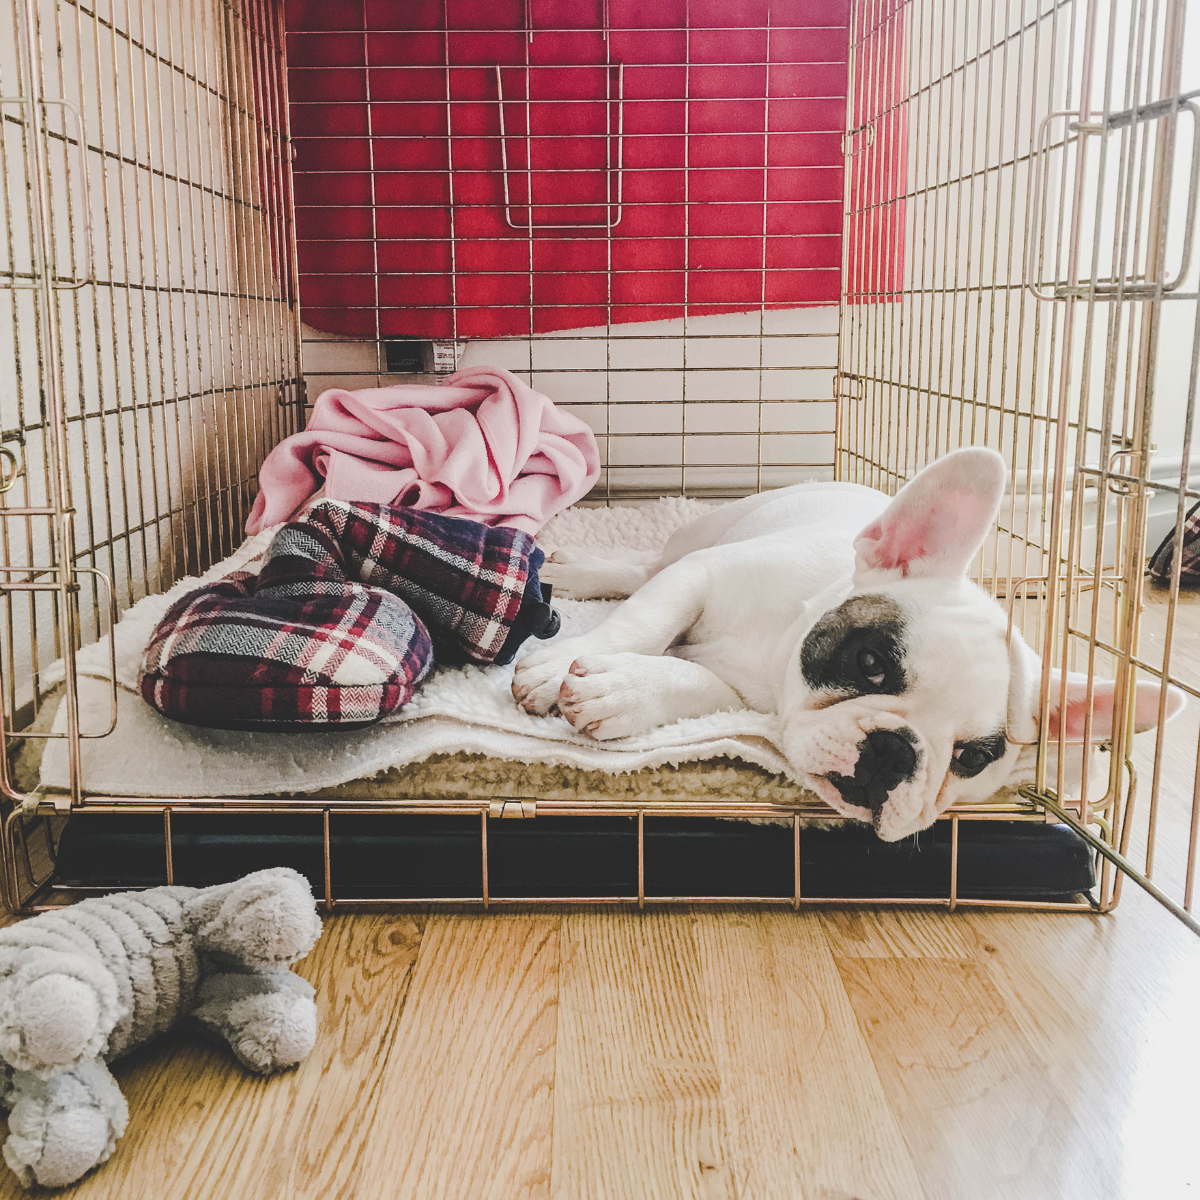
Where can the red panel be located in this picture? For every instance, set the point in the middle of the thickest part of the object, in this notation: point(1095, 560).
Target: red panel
point(737, 184)
point(405, 49)
point(714, 253)
point(412, 291)
point(314, 15)
point(654, 46)
point(412, 222)
point(728, 45)
point(805, 150)
point(414, 323)
point(810, 45)
point(726, 116)
point(396, 257)
point(649, 287)
point(324, 50)
point(812, 251)
point(808, 79)
point(875, 262)
point(325, 224)
point(637, 14)
point(803, 287)
point(408, 83)
point(725, 150)
point(649, 254)
point(570, 288)
point(493, 322)
point(327, 85)
point(495, 254)
point(504, 289)
point(331, 291)
point(487, 14)
point(725, 82)
point(720, 287)
point(354, 322)
point(328, 120)
point(318, 258)
point(334, 189)
point(805, 183)
point(807, 217)
point(721, 14)
point(710, 162)
point(625, 314)
point(726, 220)
point(412, 188)
point(411, 14)
point(547, 320)
point(331, 154)
point(791, 116)
point(408, 120)
point(410, 154)
point(575, 255)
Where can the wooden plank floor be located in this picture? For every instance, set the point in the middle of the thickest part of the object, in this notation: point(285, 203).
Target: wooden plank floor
point(831, 1055)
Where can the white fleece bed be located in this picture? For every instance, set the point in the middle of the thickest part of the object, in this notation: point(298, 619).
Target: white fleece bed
point(461, 711)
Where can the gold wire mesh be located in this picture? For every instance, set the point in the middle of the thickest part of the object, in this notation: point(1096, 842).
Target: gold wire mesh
point(1015, 253)
point(1019, 273)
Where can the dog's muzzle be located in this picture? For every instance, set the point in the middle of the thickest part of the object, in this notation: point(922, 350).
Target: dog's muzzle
point(886, 759)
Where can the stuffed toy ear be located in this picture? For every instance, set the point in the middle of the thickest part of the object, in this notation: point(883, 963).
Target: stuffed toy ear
point(1067, 718)
point(937, 522)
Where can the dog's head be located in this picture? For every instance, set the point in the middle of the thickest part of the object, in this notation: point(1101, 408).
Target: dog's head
point(902, 693)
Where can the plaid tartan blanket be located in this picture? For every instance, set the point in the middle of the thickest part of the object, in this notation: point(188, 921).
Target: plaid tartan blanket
point(352, 607)
point(475, 586)
point(1161, 561)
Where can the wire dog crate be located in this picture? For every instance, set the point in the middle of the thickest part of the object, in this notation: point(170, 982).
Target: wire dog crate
point(830, 241)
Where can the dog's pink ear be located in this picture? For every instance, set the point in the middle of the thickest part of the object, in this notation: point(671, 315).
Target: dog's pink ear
point(1068, 717)
point(938, 520)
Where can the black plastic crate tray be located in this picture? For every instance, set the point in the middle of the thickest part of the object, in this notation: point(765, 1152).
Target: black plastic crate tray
point(408, 857)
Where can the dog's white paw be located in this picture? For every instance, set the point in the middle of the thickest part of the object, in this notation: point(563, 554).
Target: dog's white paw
point(610, 695)
point(578, 575)
point(539, 675)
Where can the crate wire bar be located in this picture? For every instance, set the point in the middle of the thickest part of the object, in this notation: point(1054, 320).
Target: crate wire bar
point(1016, 212)
point(1019, 272)
point(151, 339)
point(680, 292)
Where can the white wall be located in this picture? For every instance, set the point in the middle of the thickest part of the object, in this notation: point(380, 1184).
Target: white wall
point(717, 405)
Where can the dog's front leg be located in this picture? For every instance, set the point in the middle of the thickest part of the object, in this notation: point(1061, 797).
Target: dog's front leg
point(617, 695)
point(655, 617)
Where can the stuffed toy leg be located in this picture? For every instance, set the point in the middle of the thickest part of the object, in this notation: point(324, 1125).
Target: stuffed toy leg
point(83, 986)
point(62, 1127)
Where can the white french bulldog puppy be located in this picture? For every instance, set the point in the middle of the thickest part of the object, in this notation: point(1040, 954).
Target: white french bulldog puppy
point(850, 615)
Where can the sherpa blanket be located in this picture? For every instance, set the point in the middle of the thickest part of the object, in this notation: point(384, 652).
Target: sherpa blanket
point(483, 444)
point(467, 709)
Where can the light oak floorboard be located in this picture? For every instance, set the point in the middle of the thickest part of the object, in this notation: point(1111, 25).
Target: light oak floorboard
point(806, 1114)
point(915, 932)
point(200, 1125)
point(637, 1104)
point(466, 1105)
point(700, 1053)
point(976, 1103)
point(1112, 1005)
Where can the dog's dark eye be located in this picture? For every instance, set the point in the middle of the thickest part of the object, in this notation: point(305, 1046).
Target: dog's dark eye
point(873, 666)
point(970, 760)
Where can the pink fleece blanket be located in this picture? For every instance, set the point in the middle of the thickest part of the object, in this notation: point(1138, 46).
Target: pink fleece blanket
point(482, 445)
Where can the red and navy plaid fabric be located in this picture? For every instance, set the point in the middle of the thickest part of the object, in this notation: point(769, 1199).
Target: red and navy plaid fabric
point(475, 586)
point(1162, 560)
point(298, 644)
point(336, 629)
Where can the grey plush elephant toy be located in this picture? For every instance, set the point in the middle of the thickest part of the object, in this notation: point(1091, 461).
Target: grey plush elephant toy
point(81, 987)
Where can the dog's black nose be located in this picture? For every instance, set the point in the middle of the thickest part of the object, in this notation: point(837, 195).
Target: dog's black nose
point(886, 759)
